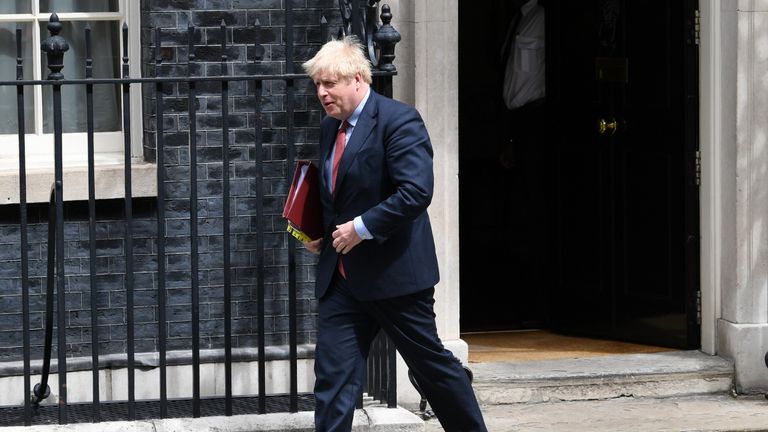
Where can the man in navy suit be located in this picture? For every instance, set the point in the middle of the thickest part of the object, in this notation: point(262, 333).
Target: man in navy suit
point(377, 267)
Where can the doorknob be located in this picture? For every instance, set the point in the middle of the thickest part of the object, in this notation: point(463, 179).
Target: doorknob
point(607, 127)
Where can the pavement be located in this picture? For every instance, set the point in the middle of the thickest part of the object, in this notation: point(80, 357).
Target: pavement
point(710, 413)
point(651, 392)
point(373, 418)
point(704, 413)
point(647, 392)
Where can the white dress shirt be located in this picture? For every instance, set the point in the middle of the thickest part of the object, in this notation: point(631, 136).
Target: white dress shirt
point(524, 73)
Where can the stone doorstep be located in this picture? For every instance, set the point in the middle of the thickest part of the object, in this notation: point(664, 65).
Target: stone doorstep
point(368, 419)
point(667, 374)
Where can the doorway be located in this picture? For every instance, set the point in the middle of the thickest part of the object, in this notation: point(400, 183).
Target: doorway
point(588, 222)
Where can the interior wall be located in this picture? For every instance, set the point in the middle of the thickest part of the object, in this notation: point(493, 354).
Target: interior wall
point(503, 230)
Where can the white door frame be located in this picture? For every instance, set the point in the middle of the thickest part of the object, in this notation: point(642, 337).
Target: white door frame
point(710, 194)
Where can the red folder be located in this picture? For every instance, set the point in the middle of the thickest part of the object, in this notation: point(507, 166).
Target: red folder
point(302, 205)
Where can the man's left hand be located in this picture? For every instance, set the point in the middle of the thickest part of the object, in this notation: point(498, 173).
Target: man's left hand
point(345, 237)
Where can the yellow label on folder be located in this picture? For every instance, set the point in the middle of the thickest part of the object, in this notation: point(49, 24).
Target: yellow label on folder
point(297, 233)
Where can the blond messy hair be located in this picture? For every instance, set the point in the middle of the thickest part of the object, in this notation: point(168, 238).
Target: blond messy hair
point(343, 58)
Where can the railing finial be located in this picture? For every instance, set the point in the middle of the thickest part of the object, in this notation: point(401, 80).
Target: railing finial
point(55, 46)
point(345, 8)
point(386, 38)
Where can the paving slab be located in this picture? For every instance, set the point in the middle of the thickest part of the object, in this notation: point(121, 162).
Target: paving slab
point(372, 418)
point(708, 413)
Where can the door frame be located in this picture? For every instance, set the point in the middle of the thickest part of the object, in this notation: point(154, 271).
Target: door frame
point(712, 168)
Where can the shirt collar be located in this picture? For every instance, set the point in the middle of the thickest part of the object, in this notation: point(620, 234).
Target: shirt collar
point(524, 9)
point(352, 120)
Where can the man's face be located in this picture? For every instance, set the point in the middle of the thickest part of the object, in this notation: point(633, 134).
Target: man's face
point(339, 96)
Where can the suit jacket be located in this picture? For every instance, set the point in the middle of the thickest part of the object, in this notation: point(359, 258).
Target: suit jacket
point(385, 176)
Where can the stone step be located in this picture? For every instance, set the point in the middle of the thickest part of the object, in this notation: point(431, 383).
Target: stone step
point(657, 375)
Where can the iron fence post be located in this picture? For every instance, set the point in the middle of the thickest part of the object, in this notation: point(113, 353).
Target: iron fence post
point(161, 290)
point(226, 226)
point(258, 156)
point(193, 234)
point(24, 236)
point(129, 275)
point(92, 227)
point(290, 97)
point(55, 46)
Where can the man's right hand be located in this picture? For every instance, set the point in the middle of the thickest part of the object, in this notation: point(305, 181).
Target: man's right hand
point(314, 246)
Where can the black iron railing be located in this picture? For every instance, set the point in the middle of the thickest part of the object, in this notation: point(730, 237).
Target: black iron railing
point(381, 374)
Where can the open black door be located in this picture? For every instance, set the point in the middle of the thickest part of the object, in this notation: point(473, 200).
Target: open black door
point(622, 89)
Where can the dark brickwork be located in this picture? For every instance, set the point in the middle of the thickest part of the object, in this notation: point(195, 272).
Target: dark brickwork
point(173, 17)
point(110, 272)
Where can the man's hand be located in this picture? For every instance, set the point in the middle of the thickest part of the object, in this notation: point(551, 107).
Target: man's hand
point(314, 246)
point(345, 237)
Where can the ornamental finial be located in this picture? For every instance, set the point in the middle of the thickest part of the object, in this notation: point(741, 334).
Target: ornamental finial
point(55, 46)
point(386, 38)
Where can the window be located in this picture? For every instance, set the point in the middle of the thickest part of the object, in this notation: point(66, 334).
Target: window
point(105, 17)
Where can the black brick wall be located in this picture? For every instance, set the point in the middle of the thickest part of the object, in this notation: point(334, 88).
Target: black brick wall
point(173, 17)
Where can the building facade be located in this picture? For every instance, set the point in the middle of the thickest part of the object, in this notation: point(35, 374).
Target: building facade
point(732, 202)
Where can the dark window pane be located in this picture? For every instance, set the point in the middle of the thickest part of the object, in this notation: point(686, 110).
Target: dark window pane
point(58, 6)
point(8, 109)
point(105, 37)
point(15, 6)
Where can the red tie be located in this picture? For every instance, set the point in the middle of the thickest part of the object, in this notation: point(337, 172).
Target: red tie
point(341, 141)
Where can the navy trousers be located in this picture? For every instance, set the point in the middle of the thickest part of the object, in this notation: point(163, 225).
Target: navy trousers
point(346, 328)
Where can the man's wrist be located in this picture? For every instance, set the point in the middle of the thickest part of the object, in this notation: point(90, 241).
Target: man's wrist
point(361, 230)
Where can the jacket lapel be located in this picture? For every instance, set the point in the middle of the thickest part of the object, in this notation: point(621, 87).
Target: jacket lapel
point(326, 145)
point(365, 124)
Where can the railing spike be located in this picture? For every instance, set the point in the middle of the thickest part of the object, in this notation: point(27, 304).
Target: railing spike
point(88, 54)
point(19, 56)
point(258, 53)
point(323, 29)
point(158, 57)
point(223, 45)
point(126, 68)
point(190, 44)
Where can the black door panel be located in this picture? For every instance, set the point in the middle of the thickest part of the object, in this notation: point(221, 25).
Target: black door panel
point(635, 203)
